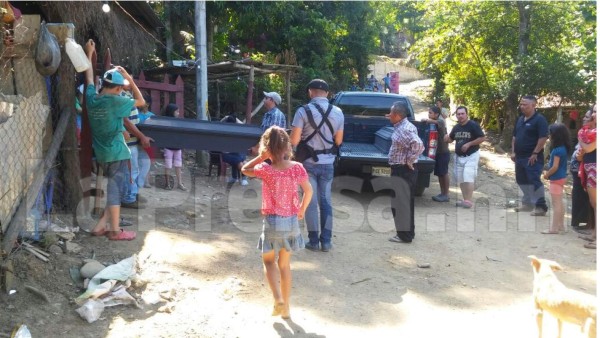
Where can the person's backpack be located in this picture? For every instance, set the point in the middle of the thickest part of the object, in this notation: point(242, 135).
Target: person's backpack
point(303, 150)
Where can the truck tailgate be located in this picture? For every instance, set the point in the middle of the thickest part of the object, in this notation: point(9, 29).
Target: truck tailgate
point(370, 153)
point(362, 151)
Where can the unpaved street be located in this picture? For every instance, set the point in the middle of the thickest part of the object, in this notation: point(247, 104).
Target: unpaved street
point(199, 262)
point(202, 252)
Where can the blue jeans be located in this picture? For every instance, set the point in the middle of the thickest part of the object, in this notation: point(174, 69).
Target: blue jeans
point(321, 178)
point(131, 188)
point(234, 160)
point(144, 165)
point(116, 173)
point(528, 179)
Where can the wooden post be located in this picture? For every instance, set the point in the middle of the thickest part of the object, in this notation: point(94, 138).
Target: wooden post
point(249, 97)
point(71, 191)
point(218, 117)
point(179, 95)
point(85, 152)
point(288, 99)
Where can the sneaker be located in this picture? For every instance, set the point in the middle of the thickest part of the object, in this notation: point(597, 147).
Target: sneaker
point(125, 223)
point(311, 247)
point(232, 180)
point(524, 208)
point(325, 247)
point(181, 187)
point(141, 198)
point(538, 212)
point(132, 205)
point(397, 239)
point(464, 204)
point(440, 198)
point(244, 181)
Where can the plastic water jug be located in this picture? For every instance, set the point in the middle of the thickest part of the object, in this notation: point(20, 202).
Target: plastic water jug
point(77, 55)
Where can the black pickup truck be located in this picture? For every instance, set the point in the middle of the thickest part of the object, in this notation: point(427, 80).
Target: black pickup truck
point(367, 136)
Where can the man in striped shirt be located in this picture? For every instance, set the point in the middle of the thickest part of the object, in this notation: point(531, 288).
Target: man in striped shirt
point(136, 141)
point(404, 152)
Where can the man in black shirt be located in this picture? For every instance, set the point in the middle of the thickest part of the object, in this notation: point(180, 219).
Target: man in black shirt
point(468, 135)
point(529, 136)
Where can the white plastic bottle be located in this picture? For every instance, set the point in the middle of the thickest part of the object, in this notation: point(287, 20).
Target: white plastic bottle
point(77, 55)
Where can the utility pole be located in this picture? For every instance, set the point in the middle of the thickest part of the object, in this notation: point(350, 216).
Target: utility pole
point(201, 72)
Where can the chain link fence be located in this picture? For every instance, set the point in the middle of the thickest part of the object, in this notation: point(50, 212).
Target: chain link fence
point(25, 127)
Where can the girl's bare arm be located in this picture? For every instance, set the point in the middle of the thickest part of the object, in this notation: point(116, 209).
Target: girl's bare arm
point(554, 168)
point(307, 193)
point(248, 168)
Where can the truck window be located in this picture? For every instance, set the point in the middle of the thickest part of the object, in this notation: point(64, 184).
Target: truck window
point(368, 105)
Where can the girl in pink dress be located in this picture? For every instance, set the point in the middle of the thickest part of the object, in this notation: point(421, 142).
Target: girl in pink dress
point(281, 208)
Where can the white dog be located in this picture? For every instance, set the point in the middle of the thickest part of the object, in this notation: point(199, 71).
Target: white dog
point(552, 296)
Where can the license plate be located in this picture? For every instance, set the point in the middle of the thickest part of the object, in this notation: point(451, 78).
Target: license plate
point(381, 171)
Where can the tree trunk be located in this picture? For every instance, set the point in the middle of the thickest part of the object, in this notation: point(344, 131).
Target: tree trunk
point(211, 27)
point(511, 108)
point(169, 35)
point(512, 101)
point(525, 8)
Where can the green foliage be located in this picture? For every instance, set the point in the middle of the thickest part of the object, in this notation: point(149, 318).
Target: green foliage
point(472, 50)
point(331, 40)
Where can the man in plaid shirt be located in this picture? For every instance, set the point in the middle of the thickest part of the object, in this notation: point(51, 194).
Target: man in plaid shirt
point(273, 116)
point(404, 152)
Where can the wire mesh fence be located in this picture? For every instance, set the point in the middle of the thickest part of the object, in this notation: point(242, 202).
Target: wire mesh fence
point(25, 128)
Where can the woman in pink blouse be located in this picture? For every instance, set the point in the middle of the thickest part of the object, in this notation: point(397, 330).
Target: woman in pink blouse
point(282, 207)
point(587, 169)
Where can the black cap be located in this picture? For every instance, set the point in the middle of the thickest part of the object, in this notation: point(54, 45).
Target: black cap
point(318, 84)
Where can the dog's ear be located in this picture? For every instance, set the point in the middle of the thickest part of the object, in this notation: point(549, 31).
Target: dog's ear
point(535, 262)
point(554, 266)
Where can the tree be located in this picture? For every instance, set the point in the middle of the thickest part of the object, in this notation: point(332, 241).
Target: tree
point(488, 54)
point(331, 40)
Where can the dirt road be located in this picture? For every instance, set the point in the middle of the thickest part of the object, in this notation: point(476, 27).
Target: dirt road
point(199, 248)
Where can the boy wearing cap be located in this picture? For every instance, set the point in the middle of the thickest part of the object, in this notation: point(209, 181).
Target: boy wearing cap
point(106, 111)
point(273, 116)
point(319, 215)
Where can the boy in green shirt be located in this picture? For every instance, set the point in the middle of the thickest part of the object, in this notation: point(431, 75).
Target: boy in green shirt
point(106, 111)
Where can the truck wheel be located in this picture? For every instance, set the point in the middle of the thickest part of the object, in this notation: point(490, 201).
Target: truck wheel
point(419, 190)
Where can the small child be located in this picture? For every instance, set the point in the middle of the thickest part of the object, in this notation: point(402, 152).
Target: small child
point(173, 155)
point(281, 208)
point(106, 111)
point(557, 174)
point(235, 160)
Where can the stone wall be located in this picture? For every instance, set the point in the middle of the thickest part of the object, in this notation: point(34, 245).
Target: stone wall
point(384, 65)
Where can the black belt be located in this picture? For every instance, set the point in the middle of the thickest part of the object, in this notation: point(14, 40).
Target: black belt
point(398, 165)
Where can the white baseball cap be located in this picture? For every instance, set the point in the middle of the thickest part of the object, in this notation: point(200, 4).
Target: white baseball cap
point(274, 96)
